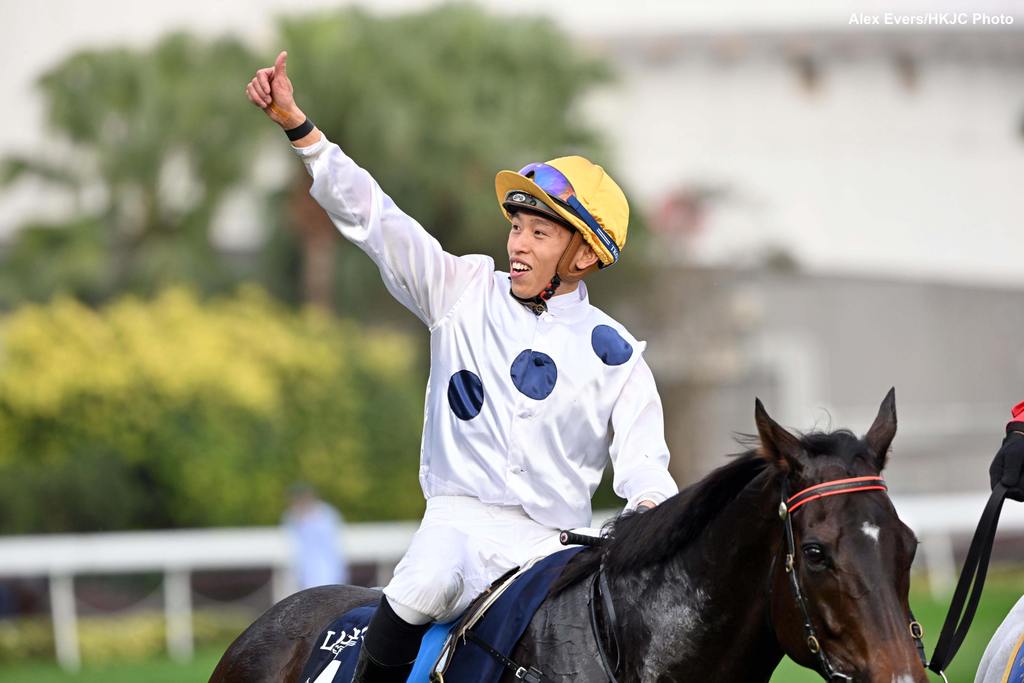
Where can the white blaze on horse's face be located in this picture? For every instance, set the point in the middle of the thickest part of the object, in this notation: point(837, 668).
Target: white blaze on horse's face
point(905, 678)
point(870, 530)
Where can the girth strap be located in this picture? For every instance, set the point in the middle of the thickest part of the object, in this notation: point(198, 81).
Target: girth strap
point(520, 673)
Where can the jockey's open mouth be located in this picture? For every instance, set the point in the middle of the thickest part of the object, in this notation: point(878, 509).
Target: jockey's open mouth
point(518, 268)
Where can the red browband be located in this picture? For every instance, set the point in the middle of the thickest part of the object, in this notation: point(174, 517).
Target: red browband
point(834, 488)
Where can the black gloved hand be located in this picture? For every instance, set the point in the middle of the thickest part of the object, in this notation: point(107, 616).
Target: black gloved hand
point(1008, 466)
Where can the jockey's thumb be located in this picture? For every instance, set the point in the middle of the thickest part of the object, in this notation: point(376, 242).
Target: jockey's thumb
point(280, 66)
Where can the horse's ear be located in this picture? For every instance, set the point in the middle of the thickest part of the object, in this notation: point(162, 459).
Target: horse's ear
point(778, 446)
point(883, 430)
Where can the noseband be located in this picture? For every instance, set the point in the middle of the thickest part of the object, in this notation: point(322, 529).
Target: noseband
point(787, 507)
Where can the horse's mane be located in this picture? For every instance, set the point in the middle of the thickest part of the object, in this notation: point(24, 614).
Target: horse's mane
point(652, 537)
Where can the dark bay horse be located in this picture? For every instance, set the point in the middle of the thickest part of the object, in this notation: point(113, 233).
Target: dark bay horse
point(697, 589)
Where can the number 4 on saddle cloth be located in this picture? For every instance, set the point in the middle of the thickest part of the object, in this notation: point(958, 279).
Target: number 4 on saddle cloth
point(498, 618)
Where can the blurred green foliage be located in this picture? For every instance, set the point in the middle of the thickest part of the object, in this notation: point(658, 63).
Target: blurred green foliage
point(171, 412)
point(157, 670)
point(155, 139)
point(178, 408)
point(433, 103)
point(128, 637)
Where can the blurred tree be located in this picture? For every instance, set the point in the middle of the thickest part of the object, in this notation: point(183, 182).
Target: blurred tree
point(157, 139)
point(170, 412)
point(433, 104)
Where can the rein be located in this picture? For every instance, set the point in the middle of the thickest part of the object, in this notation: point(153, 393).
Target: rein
point(599, 591)
point(787, 507)
point(972, 577)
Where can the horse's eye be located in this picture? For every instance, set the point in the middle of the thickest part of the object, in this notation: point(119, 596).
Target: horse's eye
point(815, 555)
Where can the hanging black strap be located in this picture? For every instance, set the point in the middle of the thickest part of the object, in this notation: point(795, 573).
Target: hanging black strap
point(954, 630)
point(599, 592)
point(813, 644)
point(917, 634)
point(520, 673)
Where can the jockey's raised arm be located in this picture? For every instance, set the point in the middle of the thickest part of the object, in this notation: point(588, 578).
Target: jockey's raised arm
point(416, 270)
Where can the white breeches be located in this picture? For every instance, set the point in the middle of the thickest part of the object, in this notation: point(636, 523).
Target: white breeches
point(461, 547)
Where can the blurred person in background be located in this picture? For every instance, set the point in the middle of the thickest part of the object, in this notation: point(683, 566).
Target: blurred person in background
point(314, 529)
point(515, 441)
point(8, 601)
point(1003, 661)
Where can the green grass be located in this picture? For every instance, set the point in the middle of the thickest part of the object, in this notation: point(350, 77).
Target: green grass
point(1001, 592)
point(150, 671)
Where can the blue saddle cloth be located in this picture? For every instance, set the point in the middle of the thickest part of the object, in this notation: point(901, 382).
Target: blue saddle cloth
point(337, 649)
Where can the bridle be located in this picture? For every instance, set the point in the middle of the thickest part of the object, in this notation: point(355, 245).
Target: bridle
point(788, 506)
point(600, 595)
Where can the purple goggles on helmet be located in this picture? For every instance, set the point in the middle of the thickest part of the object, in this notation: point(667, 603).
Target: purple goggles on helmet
point(558, 187)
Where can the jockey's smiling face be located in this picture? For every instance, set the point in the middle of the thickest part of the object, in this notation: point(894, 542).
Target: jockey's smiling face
point(535, 244)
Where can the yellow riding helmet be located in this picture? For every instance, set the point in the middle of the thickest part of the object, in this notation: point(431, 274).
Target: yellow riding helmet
point(576, 190)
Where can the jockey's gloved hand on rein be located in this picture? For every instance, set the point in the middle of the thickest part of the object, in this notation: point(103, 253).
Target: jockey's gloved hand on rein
point(1008, 466)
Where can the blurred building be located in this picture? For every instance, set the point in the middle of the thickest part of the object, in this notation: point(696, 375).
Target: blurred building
point(837, 208)
point(869, 150)
point(821, 352)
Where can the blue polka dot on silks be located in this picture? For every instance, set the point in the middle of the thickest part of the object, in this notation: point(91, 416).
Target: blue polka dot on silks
point(534, 374)
point(465, 394)
point(609, 345)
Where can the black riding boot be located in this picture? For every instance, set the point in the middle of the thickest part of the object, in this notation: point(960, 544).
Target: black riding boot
point(389, 647)
point(369, 670)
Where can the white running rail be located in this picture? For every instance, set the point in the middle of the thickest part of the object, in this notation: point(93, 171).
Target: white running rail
point(939, 521)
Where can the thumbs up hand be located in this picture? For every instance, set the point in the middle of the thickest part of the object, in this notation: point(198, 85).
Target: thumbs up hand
point(271, 90)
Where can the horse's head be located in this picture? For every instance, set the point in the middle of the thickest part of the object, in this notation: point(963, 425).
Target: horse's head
point(852, 554)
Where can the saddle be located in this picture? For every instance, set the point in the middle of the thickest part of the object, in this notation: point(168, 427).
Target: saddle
point(473, 649)
point(495, 621)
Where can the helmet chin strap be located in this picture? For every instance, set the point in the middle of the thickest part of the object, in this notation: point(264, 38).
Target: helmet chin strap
point(539, 303)
point(565, 271)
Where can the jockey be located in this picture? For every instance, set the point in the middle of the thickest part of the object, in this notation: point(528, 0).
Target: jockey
point(532, 390)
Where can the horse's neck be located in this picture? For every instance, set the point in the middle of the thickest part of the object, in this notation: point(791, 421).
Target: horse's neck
point(706, 610)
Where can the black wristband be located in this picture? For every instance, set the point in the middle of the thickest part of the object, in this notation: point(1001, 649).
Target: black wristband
point(300, 131)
